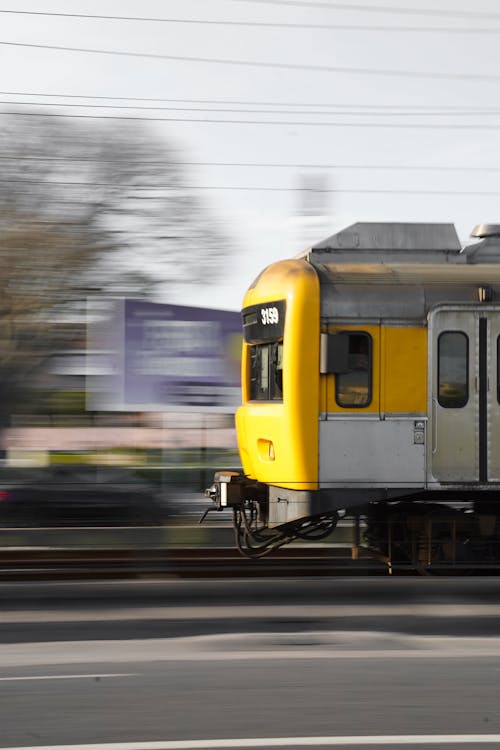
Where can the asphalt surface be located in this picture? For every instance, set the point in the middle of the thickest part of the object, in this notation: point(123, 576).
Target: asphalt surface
point(270, 660)
point(150, 609)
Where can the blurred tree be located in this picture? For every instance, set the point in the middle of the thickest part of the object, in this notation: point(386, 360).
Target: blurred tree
point(120, 187)
point(85, 210)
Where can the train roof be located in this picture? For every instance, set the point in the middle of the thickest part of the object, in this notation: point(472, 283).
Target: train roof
point(391, 245)
point(383, 239)
point(401, 242)
point(396, 270)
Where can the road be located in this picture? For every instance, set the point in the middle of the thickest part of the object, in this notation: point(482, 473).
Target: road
point(262, 663)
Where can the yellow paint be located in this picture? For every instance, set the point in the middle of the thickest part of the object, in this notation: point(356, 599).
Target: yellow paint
point(404, 370)
point(291, 426)
point(399, 375)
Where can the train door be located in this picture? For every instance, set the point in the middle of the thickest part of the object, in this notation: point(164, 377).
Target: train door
point(464, 395)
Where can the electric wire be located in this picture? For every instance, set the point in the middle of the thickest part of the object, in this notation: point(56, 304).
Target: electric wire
point(227, 121)
point(370, 71)
point(352, 7)
point(258, 24)
point(494, 112)
point(266, 165)
point(246, 188)
point(247, 103)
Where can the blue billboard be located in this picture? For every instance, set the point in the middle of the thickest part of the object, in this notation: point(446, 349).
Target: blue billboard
point(164, 357)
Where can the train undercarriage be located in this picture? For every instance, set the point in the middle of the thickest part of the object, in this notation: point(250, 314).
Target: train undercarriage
point(249, 502)
point(425, 534)
point(422, 531)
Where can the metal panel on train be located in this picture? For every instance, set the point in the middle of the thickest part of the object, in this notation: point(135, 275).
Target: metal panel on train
point(361, 451)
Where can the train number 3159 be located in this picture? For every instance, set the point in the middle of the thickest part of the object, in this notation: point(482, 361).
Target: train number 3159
point(270, 316)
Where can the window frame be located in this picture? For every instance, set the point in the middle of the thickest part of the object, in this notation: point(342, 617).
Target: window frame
point(270, 382)
point(369, 395)
point(467, 366)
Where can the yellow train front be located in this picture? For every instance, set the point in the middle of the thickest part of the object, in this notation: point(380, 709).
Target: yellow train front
point(370, 384)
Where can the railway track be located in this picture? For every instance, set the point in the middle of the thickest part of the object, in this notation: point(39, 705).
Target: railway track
point(66, 564)
point(77, 564)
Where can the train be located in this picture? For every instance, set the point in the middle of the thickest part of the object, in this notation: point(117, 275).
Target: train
point(371, 387)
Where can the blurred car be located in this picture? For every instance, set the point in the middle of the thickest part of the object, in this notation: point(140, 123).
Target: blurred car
point(79, 496)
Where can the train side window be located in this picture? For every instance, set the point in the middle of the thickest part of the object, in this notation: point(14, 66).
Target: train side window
point(354, 387)
point(266, 372)
point(453, 369)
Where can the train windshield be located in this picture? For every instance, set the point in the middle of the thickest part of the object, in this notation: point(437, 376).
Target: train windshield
point(266, 372)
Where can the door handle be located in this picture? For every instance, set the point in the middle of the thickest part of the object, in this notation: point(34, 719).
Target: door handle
point(434, 426)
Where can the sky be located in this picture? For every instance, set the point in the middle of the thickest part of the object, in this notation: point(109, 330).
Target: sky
point(382, 110)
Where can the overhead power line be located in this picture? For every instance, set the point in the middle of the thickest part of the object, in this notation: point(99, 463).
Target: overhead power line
point(260, 165)
point(257, 24)
point(487, 77)
point(305, 123)
point(247, 188)
point(248, 103)
point(354, 7)
point(341, 112)
point(379, 8)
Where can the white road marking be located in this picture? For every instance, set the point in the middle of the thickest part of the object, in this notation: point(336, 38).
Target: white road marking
point(96, 676)
point(266, 742)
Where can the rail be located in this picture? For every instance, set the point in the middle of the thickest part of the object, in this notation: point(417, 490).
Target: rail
point(424, 546)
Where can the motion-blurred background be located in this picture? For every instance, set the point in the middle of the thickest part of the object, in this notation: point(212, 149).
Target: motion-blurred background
point(153, 160)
